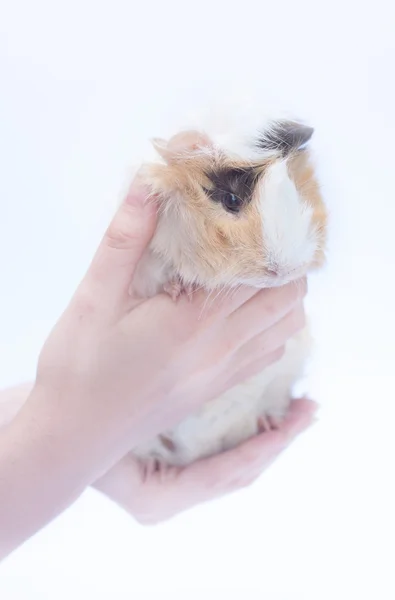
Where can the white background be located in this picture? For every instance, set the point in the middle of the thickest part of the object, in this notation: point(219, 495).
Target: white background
point(83, 85)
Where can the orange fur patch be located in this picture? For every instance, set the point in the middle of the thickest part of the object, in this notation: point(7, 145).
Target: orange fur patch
point(302, 173)
point(208, 245)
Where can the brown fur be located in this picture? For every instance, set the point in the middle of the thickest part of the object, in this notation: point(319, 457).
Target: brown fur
point(218, 248)
point(302, 173)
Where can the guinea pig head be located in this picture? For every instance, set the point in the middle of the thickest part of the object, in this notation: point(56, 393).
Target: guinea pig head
point(242, 211)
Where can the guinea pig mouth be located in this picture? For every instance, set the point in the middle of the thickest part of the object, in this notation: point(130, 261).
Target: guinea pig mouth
point(277, 280)
point(271, 278)
point(287, 275)
point(264, 283)
point(273, 282)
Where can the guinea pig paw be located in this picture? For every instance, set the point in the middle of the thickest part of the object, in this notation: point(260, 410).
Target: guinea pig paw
point(152, 467)
point(268, 423)
point(174, 289)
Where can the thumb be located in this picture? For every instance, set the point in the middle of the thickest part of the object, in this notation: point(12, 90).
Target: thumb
point(128, 235)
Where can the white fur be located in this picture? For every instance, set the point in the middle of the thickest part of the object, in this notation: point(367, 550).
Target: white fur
point(233, 417)
point(290, 244)
point(288, 233)
point(234, 124)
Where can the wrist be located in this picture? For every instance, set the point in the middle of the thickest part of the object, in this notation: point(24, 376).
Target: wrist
point(77, 441)
point(46, 462)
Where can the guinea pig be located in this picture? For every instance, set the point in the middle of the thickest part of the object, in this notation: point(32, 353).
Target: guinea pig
point(235, 208)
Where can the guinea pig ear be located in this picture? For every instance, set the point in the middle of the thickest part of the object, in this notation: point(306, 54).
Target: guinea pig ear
point(160, 146)
point(182, 145)
point(285, 137)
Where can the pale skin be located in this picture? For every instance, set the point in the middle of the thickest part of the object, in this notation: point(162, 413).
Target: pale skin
point(117, 370)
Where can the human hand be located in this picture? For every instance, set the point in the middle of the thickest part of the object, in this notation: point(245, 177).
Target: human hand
point(123, 369)
point(152, 492)
point(117, 370)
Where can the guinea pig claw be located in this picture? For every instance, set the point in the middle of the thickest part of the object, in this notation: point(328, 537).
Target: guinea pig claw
point(153, 467)
point(174, 289)
point(268, 423)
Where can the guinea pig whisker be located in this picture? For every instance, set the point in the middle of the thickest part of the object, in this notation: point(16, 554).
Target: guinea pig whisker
point(220, 290)
point(204, 307)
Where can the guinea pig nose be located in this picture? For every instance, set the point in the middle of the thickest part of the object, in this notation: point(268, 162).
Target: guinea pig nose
point(272, 272)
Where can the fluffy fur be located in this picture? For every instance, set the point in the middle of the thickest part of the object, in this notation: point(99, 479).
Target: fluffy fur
point(236, 207)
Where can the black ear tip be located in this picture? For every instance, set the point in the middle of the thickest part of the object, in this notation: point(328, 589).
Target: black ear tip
point(306, 132)
point(294, 135)
point(286, 136)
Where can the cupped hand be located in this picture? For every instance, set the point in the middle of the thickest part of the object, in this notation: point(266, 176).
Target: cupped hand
point(152, 493)
point(119, 369)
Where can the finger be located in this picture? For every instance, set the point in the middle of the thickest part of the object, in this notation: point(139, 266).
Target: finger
point(262, 311)
point(220, 474)
point(273, 338)
point(250, 369)
point(300, 416)
point(180, 488)
point(217, 303)
point(112, 268)
point(121, 480)
point(205, 309)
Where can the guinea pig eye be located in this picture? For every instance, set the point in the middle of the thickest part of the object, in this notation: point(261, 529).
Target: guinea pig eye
point(231, 202)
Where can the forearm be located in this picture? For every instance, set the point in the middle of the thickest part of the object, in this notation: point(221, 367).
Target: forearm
point(115, 484)
point(46, 461)
point(37, 473)
point(12, 400)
